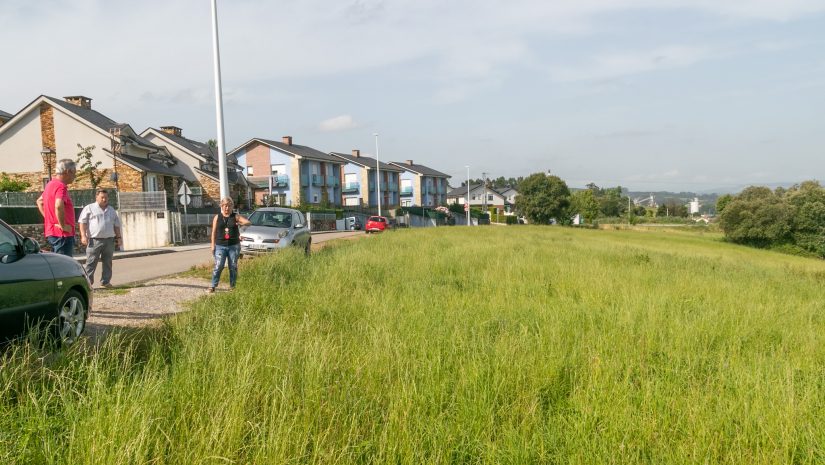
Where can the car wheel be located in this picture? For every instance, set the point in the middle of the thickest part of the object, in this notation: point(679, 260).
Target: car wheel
point(71, 318)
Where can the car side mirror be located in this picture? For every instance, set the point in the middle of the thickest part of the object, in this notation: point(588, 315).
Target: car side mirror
point(30, 246)
point(299, 226)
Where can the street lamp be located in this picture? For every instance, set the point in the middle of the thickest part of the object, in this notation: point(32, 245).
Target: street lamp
point(46, 154)
point(377, 175)
point(467, 203)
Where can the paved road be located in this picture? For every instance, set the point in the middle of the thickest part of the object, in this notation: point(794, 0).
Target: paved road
point(137, 269)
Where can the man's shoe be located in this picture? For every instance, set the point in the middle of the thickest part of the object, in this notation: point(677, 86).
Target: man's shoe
point(211, 290)
point(107, 285)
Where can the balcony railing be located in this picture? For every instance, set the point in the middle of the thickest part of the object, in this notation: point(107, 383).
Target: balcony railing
point(442, 190)
point(280, 181)
point(317, 180)
point(304, 180)
point(333, 181)
point(393, 187)
point(407, 191)
point(352, 187)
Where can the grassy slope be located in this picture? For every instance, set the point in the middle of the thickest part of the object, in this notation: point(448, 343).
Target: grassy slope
point(454, 345)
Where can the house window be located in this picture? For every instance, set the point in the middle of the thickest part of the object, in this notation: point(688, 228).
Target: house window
point(352, 201)
point(250, 171)
point(151, 183)
point(315, 199)
point(406, 203)
point(277, 169)
point(489, 197)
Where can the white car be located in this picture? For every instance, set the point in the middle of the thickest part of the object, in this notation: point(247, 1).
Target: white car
point(275, 228)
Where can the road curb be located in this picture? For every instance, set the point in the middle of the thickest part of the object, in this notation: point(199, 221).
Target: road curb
point(137, 253)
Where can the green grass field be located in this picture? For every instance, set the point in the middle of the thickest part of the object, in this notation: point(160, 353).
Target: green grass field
point(453, 346)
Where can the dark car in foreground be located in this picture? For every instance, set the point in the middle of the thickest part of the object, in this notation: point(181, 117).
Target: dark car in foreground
point(275, 228)
point(41, 289)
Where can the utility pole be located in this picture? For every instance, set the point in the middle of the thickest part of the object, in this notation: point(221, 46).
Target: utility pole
point(484, 191)
point(377, 175)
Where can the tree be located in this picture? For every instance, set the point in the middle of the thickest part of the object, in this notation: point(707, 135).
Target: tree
point(611, 201)
point(584, 203)
point(672, 207)
point(757, 216)
point(543, 197)
point(8, 184)
point(86, 167)
point(212, 143)
point(722, 202)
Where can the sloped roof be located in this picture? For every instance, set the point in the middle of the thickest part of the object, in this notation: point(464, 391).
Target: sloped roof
point(98, 119)
point(232, 177)
point(5, 116)
point(148, 165)
point(368, 162)
point(420, 169)
point(202, 149)
point(299, 150)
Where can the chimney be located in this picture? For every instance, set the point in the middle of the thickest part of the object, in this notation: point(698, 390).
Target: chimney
point(174, 130)
point(79, 100)
point(287, 140)
point(409, 162)
point(356, 153)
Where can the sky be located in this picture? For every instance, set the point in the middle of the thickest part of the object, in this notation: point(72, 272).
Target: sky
point(673, 95)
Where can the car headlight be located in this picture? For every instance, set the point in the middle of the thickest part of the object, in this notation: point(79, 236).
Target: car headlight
point(247, 239)
point(283, 234)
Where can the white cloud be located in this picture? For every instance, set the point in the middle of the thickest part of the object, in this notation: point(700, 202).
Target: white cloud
point(623, 64)
point(338, 123)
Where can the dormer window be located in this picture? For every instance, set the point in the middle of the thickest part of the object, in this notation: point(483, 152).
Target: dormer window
point(250, 171)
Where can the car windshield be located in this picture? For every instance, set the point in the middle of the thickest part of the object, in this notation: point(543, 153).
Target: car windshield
point(377, 219)
point(271, 219)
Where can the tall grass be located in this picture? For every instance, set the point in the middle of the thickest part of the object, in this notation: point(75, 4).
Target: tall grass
point(454, 345)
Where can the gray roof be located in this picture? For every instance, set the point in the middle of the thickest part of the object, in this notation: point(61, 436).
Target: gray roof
point(149, 165)
point(420, 169)
point(462, 190)
point(98, 119)
point(5, 116)
point(366, 161)
point(200, 148)
point(232, 177)
point(301, 150)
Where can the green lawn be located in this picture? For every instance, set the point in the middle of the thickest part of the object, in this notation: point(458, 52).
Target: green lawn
point(454, 345)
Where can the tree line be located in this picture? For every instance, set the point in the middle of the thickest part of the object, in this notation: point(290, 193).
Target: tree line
point(790, 219)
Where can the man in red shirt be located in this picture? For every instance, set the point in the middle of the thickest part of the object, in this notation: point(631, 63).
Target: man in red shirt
point(58, 212)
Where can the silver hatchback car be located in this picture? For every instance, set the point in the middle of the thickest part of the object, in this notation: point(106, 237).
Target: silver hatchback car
point(275, 228)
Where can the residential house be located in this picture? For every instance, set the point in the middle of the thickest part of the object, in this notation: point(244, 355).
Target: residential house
point(358, 175)
point(509, 194)
point(198, 165)
point(49, 129)
point(480, 196)
point(421, 185)
point(283, 173)
point(4, 117)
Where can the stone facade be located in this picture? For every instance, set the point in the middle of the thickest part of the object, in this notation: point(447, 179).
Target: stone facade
point(129, 179)
point(36, 232)
point(47, 127)
point(211, 191)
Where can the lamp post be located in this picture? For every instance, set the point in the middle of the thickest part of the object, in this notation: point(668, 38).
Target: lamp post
point(467, 204)
point(222, 176)
point(377, 176)
point(46, 154)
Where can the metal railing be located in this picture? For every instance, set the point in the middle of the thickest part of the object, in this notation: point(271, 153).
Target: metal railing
point(317, 180)
point(142, 201)
point(407, 190)
point(352, 187)
point(280, 180)
point(80, 198)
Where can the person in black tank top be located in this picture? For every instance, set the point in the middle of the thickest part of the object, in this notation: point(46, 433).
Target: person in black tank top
point(226, 242)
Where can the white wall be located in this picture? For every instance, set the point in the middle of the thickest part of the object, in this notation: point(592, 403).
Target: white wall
point(68, 132)
point(144, 230)
point(20, 145)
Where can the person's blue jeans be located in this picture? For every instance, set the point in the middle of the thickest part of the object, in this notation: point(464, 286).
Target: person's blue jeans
point(62, 245)
point(222, 252)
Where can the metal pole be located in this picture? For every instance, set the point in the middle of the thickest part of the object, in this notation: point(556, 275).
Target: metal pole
point(377, 176)
point(219, 104)
point(468, 196)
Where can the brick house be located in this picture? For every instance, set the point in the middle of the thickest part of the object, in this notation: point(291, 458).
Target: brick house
point(49, 129)
point(198, 165)
point(290, 174)
point(358, 180)
point(421, 185)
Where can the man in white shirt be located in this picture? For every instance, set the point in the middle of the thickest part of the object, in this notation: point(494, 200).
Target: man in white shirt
point(100, 233)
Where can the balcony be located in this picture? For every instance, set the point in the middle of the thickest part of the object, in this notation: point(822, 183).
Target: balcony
point(280, 181)
point(333, 181)
point(441, 189)
point(406, 191)
point(317, 180)
point(393, 187)
point(351, 187)
point(304, 180)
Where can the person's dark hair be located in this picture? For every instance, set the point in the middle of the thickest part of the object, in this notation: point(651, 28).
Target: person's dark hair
point(101, 190)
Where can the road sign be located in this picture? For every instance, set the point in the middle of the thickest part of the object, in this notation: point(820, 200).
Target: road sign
point(184, 190)
point(466, 207)
point(185, 199)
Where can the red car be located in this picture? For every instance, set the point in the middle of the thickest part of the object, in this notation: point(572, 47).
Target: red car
point(376, 224)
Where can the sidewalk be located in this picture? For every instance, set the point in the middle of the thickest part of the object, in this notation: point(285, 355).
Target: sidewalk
point(144, 252)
